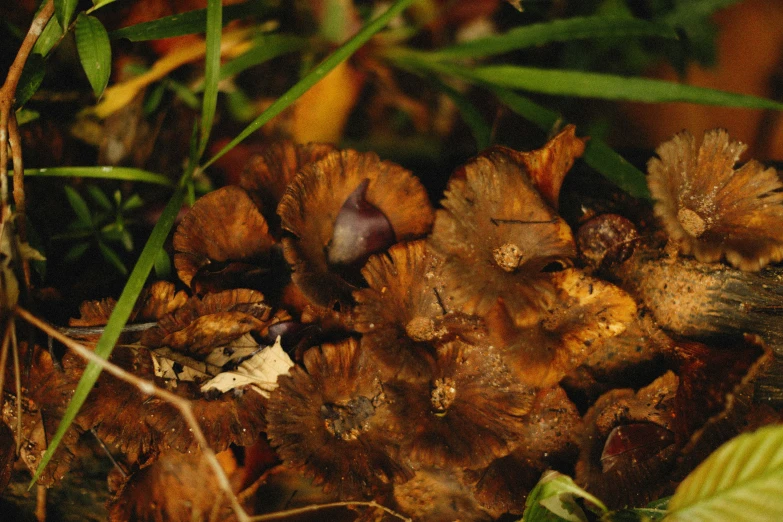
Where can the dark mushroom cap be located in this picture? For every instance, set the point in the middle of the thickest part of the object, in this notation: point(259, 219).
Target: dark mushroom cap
point(469, 413)
point(495, 234)
point(628, 446)
point(318, 197)
point(439, 495)
point(712, 210)
point(332, 418)
point(223, 226)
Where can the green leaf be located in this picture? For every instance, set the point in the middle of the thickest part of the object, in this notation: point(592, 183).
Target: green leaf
point(132, 203)
point(190, 22)
point(608, 86)
point(30, 80)
point(154, 97)
point(740, 481)
point(553, 499)
point(92, 44)
point(340, 54)
point(26, 116)
point(112, 258)
point(695, 10)
point(63, 10)
point(79, 206)
point(76, 252)
point(118, 173)
point(97, 4)
point(557, 31)
point(51, 34)
point(211, 71)
point(598, 154)
point(99, 197)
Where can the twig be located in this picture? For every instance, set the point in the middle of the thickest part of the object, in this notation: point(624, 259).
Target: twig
point(318, 507)
point(9, 133)
point(15, 141)
point(147, 388)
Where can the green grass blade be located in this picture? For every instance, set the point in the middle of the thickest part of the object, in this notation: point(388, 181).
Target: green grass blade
point(479, 127)
point(190, 22)
point(211, 71)
point(118, 318)
point(79, 206)
point(688, 12)
point(264, 49)
point(117, 173)
point(341, 54)
point(608, 87)
point(557, 31)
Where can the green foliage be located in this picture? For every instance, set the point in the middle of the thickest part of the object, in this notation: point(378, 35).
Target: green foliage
point(554, 500)
point(63, 10)
point(107, 225)
point(741, 481)
point(92, 42)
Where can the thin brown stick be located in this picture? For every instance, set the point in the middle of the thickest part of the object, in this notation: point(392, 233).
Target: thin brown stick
point(15, 141)
point(147, 388)
point(318, 507)
point(8, 90)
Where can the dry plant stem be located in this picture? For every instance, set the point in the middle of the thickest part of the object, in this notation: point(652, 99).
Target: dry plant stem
point(318, 507)
point(40, 504)
point(7, 96)
point(148, 388)
point(15, 141)
point(9, 342)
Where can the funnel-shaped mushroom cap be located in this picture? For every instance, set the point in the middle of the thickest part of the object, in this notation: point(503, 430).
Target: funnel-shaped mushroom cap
point(403, 312)
point(712, 210)
point(561, 336)
point(496, 234)
point(469, 413)
point(333, 419)
point(223, 226)
point(337, 208)
point(267, 174)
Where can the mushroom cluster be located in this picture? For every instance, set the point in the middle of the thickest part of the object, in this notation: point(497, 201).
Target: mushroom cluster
point(442, 360)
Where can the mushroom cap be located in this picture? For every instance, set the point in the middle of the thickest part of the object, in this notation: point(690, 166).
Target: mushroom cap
point(224, 225)
point(439, 495)
point(562, 335)
point(402, 312)
point(469, 413)
point(712, 210)
point(628, 445)
point(332, 418)
point(548, 441)
point(268, 173)
point(314, 200)
point(495, 234)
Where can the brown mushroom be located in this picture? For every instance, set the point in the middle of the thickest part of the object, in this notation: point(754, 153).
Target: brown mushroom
point(439, 495)
point(469, 413)
point(337, 209)
point(333, 419)
point(496, 235)
point(712, 210)
point(560, 336)
point(268, 173)
point(224, 242)
point(628, 446)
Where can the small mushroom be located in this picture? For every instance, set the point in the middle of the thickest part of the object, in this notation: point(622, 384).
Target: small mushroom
point(333, 419)
point(628, 446)
point(496, 235)
point(438, 495)
point(222, 228)
point(711, 210)
point(559, 337)
point(336, 209)
point(268, 173)
point(469, 413)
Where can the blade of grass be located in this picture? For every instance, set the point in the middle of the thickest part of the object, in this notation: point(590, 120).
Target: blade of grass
point(264, 49)
point(606, 86)
point(118, 173)
point(118, 318)
point(479, 127)
point(556, 31)
point(341, 54)
point(190, 22)
point(211, 71)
